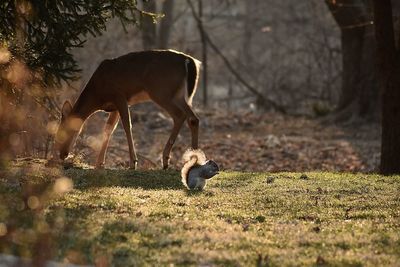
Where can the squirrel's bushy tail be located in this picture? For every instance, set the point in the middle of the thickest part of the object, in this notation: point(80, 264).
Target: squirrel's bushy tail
point(191, 158)
point(198, 154)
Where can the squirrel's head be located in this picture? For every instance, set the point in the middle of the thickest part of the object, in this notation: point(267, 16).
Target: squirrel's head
point(210, 169)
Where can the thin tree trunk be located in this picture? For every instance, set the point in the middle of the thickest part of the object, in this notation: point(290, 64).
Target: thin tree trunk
point(149, 30)
point(389, 78)
point(204, 54)
point(248, 27)
point(166, 24)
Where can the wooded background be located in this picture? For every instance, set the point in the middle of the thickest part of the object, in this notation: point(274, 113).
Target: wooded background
point(310, 58)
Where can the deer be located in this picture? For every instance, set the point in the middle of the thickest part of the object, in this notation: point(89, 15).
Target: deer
point(168, 78)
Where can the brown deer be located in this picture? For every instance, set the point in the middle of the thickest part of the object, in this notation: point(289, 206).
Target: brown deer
point(168, 78)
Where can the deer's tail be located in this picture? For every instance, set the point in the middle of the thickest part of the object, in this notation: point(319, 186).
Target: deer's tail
point(192, 76)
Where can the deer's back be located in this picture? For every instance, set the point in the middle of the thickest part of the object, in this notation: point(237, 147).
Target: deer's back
point(140, 76)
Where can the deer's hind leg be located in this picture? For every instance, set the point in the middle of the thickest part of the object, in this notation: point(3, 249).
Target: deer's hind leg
point(179, 118)
point(109, 128)
point(192, 120)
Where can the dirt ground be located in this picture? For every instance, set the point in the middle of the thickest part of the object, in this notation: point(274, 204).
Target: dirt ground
point(241, 140)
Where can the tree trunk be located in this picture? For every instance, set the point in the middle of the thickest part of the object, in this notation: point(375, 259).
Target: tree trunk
point(390, 145)
point(352, 46)
point(149, 30)
point(368, 98)
point(204, 54)
point(166, 24)
point(248, 28)
point(359, 89)
point(389, 80)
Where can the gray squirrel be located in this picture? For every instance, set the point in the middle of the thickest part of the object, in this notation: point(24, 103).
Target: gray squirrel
point(197, 169)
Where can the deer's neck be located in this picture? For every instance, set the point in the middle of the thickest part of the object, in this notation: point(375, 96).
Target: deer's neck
point(84, 107)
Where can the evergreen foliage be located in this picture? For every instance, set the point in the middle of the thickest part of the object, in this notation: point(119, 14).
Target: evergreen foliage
point(41, 33)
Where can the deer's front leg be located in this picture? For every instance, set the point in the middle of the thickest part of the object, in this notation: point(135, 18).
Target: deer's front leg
point(123, 109)
point(111, 124)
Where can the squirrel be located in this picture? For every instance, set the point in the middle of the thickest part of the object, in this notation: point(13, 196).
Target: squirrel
point(197, 169)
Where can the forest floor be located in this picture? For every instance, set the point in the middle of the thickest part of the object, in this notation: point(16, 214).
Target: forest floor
point(136, 218)
point(243, 141)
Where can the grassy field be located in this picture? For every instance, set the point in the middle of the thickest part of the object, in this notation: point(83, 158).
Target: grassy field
point(135, 218)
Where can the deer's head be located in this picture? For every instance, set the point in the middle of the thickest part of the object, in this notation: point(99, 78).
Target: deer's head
point(68, 129)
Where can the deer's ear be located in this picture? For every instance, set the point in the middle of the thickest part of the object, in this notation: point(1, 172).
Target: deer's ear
point(66, 109)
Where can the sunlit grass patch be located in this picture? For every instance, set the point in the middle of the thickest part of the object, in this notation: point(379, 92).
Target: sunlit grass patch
point(130, 217)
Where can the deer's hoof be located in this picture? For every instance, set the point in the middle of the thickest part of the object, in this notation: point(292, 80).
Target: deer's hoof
point(99, 166)
point(133, 166)
point(165, 163)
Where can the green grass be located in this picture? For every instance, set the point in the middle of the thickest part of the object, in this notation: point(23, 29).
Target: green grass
point(130, 218)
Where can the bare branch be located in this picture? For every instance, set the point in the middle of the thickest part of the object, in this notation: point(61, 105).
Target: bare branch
point(227, 63)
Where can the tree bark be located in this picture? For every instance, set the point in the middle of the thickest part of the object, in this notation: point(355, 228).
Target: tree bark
point(359, 89)
point(248, 28)
point(204, 54)
point(157, 35)
point(352, 44)
point(166, 24)
point(389, 80)
point(368, 98)
point(149, 30)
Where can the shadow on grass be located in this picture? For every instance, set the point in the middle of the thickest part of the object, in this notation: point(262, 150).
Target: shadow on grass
point(151, 180)
point(147, 180)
